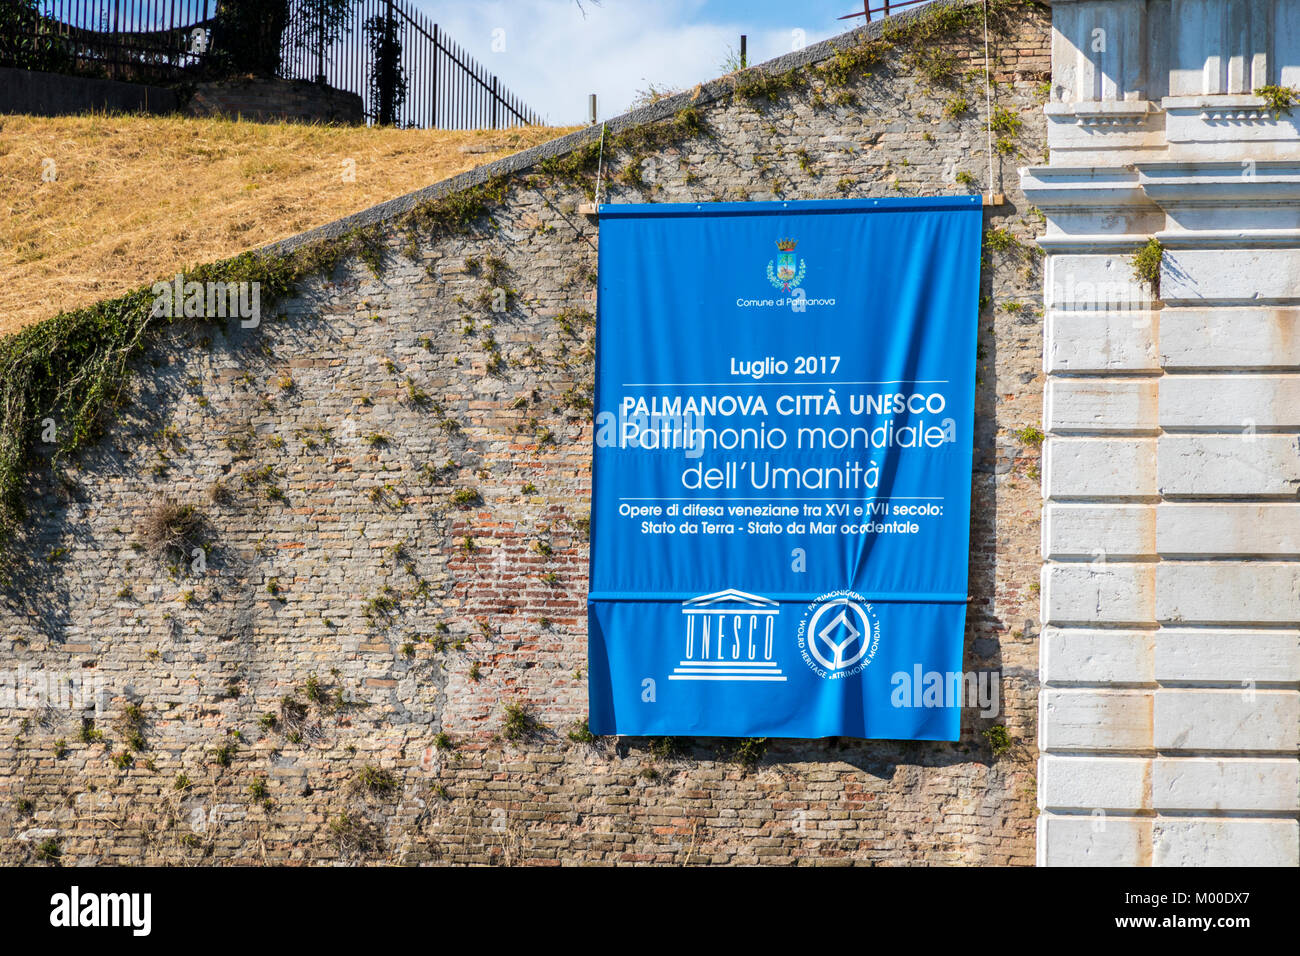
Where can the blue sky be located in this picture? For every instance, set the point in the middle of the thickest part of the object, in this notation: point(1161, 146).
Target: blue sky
point(553, 56)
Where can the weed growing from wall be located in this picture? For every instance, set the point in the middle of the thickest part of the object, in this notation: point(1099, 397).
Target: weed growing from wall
point(1146, 265)
point(1278, 99)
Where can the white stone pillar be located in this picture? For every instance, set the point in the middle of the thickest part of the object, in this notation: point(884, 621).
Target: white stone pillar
point(1169, 715)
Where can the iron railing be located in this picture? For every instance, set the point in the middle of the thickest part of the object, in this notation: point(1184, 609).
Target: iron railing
point(885, 9)
point(134, 40)
point(444, 86)
point(426, 80)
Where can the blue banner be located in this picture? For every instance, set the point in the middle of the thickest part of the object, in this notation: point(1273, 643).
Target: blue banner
point(781, 486)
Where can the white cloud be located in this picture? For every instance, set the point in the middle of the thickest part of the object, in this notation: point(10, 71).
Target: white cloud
point(555, 56)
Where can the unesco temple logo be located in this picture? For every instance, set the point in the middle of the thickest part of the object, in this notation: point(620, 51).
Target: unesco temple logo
point(729, 636)
point(785, 276)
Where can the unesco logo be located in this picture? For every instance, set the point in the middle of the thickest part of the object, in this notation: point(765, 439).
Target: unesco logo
point(729, 636)
point(839, 635)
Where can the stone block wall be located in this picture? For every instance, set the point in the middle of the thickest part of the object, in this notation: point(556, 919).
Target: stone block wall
point(265, 100)
point(1170, 715)
point(276, 99)
point(382, 657)
point(56, 94)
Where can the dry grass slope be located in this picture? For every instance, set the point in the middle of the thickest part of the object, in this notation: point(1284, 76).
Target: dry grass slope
point(139, 197)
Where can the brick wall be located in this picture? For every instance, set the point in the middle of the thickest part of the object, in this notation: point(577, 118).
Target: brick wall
point(323, 448)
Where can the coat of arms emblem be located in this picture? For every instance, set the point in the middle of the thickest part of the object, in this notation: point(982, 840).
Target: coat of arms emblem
point(782, 272)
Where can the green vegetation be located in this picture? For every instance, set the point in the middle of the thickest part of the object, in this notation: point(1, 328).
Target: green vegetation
point(1005, 122)
point(49, 851)
point(454, 214)
point(1000, 741)
point(1279, 99)
point(1000, 240)
point(417, 395)
point(937, 65)
point(314, 690)
point(750, 751)
point(464, 497)
point(373, 780)
point(664, 748)
point(382, 605)
point(131, 725)
point(519, 723)
point(956, 106)
point(89, 734)
point(1146, 265)
point(580, 733)
point(1029, 435)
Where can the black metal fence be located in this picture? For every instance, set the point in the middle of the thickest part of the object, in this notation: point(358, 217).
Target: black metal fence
point(134, 40)
point(443, 85)
point(406, 70)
